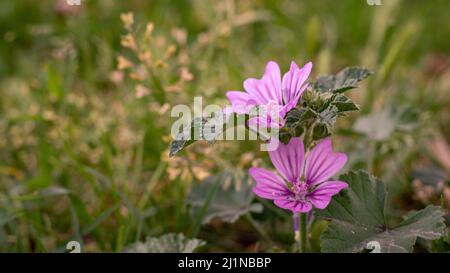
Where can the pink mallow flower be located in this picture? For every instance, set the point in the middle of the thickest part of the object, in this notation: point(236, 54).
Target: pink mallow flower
point(270, 92)
point(306, 178)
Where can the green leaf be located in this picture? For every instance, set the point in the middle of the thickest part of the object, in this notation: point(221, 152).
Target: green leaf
point(186, 138)
point(346, 79)
point(381, 125)
point(407, 118)
point(53, 191)
point(431, 176)
point(328, 117)
point(297, 120)
point(376, 126)
point(200, 212)
point(228, 204)
point(344, 104)
point(300, 119)
point(208, 129)
point(299, 115)
point(357, 218)
point(168, 243)
point(318, 112)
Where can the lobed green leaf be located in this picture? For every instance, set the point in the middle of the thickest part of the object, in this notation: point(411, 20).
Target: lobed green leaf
point(346, 79)
point(358, 220)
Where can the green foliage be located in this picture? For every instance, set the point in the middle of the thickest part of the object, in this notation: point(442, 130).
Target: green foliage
point(315, 114)
point(208, 129)
point(346, 79)
point(230, 199)
point(321, 105)
point(381, 125)
point(167, 243)
point(358, 217)
point(188, 136)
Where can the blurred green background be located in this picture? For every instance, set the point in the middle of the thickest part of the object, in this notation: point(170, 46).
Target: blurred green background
point(86, 93)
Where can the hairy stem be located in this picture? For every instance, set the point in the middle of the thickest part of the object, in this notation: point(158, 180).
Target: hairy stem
point(297, 232)
point(303, 232)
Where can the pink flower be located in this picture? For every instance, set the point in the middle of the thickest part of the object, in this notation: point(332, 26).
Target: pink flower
point(306, 180)
point(271, 92)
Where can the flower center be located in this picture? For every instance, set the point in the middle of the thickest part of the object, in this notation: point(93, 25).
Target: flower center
point(300, 190)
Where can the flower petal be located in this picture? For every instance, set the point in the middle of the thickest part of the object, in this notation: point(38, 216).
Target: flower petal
point(286, 108)
point(264, 122)
point(288, 159)
point(272, 81)
point(321, 196)
point(252, 87)
point(268, 184)
point(268, 88)
point(322, 163)
point(237, 97)
point(293, 205)
point(240, 102)
point(292, 85)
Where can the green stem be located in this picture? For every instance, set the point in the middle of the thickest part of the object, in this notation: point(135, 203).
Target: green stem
point(151, 184)
point(297, 232)
point(303, 232)
point(371, 156)
point(259, 229)
point(308, 136)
